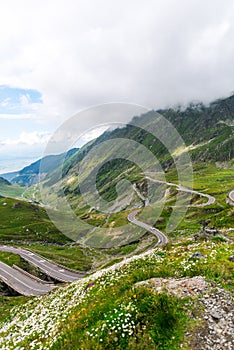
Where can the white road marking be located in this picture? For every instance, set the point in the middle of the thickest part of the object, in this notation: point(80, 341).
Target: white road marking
point(21, 282)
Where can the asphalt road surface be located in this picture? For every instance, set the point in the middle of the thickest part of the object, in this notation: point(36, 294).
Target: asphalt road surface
point(162, 239)
point(22, 283)
point(26, 285)
point(50, 268)
point(210, 198)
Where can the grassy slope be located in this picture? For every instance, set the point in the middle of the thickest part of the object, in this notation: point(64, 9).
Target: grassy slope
point(203, 128)
point(11, 191)
point(139, 318)
point(9, 259)
point(118, 290)
point(30, 223)
point(216, 182)
point(208, 178)
point(22, 221)
point(75, 257)
point(160, 321)
point(99, 306)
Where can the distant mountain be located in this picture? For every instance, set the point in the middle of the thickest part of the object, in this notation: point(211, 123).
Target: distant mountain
point(29, 175)
point(9, 176)
point(207, 131)
point(208, 136)
point(4, 182)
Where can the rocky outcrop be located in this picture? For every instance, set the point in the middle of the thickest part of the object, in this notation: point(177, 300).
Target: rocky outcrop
point(215, 311)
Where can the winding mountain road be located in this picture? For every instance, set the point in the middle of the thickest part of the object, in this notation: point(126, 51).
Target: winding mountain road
point(60, 273)
point(23, 283)
point(28, 285)
point(210, 198)
point(162, 239)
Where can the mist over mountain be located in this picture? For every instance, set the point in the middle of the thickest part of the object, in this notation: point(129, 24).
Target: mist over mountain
point(207, 131)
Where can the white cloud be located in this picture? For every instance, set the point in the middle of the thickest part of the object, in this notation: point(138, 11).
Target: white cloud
point(81, 53)
point(28, 138)
point(24, 101)
point(5, 103)
point(17, 152)
point(92, 134)
point(11, 116)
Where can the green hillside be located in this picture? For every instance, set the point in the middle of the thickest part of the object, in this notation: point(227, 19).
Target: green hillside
point(209, 129)
point(208, 135)
point(25, 222)
point(206, 130)
point(108, 309)
point(10, 190)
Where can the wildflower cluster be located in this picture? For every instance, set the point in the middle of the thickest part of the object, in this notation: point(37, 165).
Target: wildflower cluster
point(39, 321)
point(118, 324)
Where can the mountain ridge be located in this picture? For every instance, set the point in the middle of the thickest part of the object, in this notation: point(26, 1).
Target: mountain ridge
point(29, 175)
point(206, 130)
point(4, 182)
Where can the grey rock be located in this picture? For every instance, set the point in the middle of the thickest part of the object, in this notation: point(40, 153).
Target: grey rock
point(198, 255)
point(218, 331)
point(216, 315)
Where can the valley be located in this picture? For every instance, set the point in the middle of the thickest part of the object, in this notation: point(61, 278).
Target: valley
point(77, 286)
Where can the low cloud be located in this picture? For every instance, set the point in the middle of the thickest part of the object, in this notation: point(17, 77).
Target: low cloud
point(28, 138)
point(18, 152)
point(62, 57)
point(153, 53)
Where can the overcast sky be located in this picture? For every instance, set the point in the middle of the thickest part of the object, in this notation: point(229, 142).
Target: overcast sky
point(59, 57)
